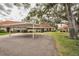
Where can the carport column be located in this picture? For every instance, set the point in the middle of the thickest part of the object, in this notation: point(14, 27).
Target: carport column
point(33, 22)
point(20, 30)
point(47, 29)
point(33, 30)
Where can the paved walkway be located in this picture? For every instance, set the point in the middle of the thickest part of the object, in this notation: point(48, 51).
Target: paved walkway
point(24, 45)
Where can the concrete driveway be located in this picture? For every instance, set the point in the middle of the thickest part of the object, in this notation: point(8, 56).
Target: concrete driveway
point(22, 44)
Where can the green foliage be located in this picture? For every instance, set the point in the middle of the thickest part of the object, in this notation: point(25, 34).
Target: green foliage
point(2, 31)
point(57, 21)
point(3, 34)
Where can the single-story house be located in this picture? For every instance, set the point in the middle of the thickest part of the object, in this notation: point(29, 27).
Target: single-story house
point(14, 26)
point(63, 27)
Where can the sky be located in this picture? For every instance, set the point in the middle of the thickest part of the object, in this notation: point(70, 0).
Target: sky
point(15, 14)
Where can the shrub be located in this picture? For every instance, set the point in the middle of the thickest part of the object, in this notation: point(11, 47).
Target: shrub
point(2, 31)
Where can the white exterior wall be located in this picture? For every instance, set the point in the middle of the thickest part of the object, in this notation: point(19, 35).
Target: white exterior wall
point(15, 29)
point(3, 29)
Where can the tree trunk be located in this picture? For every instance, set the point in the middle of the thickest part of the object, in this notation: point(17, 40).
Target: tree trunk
point(72, 22)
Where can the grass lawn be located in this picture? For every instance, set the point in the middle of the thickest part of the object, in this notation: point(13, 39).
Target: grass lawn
point(66, 46)
point(3, 34)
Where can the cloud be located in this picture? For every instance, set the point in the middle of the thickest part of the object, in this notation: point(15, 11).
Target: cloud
point(13, 12)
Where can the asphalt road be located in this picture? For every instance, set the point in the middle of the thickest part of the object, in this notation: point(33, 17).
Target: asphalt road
point(21, 44)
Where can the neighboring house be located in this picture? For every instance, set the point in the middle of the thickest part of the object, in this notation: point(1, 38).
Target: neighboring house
point(14, 26)
point(63, 27)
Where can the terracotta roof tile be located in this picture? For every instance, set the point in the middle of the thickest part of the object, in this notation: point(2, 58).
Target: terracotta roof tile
point(45, 25)
point(7, 23)
point(29, 25)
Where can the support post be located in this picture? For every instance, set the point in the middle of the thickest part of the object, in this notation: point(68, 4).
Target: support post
point(33, 31)
point(9, 32)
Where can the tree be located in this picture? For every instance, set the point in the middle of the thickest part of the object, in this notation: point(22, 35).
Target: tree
point(65, 12)
point(72, 22)
point(56, 12)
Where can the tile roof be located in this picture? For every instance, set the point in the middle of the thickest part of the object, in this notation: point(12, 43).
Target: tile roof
point(46, 25)
point(8, 23)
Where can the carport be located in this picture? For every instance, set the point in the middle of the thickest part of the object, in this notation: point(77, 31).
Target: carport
point(11, 26)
